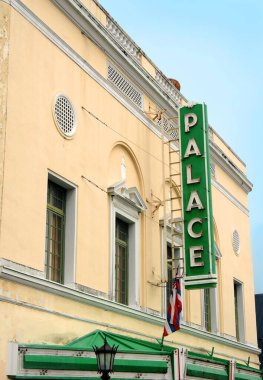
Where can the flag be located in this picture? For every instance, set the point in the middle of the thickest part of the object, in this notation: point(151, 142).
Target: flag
point(172, 323)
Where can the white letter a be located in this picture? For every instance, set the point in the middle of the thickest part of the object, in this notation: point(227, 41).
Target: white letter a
point(194, 202)
point(192, 148)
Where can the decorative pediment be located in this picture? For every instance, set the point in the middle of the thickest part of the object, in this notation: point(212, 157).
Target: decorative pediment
point(130, 195)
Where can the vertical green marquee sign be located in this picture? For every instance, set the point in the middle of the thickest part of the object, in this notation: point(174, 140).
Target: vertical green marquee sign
point(200, 266)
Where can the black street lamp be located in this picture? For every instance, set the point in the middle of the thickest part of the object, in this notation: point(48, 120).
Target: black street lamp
point(105, 357)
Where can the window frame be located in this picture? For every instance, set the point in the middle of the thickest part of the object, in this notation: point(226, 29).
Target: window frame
point(70, 229)
point(170, 268)
point(207, 310)
point(177, 245)
point(54, 263)
point(126, 205)
point(123, 245)
point(213, 299)
point(238, 296)
point(214, 312)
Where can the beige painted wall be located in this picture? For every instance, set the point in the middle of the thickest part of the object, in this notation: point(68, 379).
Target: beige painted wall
point(231, 186)
point(34, 146)
point(238, 267)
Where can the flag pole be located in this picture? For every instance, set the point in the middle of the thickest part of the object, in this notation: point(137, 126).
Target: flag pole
point(162, 342)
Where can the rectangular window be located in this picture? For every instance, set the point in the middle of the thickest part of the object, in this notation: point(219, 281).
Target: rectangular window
point(236, 310)
point(207, 309)
point(121, 261)
point(169, 273)
point(171, 269)
point(61, 221)
point(55, 232)
point(126, 207)
point(239, 311)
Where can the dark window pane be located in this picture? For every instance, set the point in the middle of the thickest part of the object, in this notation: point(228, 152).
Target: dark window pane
point(169, 273)
point(55, 232)
point(121, 262)
point(236, 310)
point(171, 269)
point(207, 310)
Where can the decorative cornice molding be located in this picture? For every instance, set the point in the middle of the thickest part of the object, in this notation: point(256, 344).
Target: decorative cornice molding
point(135, 51)
point(212, 132)
point(168, 87)
point(123, 39)
point(221, 159)
point(91, 27)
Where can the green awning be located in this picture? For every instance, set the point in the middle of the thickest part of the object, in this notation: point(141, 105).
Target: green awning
point(75, 360)
point(77, 363)
point(136, 358)
point(209, 367)
point(205, 372)
point(244, 372)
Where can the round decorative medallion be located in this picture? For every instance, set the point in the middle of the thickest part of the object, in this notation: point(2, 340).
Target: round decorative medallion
point(64, 115)
point(236, 242)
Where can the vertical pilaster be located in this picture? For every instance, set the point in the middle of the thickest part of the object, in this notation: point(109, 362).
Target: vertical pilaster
point(4, 58)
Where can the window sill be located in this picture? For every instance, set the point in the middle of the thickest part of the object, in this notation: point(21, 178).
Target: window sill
point(30, 277)
point(69, 291)
point(219, 338)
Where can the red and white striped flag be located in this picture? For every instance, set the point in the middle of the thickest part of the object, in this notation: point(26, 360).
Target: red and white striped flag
point(172, 323)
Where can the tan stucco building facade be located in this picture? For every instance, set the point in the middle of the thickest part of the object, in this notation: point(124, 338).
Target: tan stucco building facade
point(84, 118)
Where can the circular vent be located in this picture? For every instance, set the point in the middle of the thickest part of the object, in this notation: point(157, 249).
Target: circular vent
point(236, 242)
point(64, 116)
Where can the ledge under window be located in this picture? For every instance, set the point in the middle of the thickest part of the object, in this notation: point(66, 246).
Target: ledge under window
point(37, 282)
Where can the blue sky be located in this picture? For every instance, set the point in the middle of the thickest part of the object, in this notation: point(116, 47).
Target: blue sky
point(215, 50)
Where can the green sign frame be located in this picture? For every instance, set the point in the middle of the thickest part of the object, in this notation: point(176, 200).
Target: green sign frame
point(199, 255)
